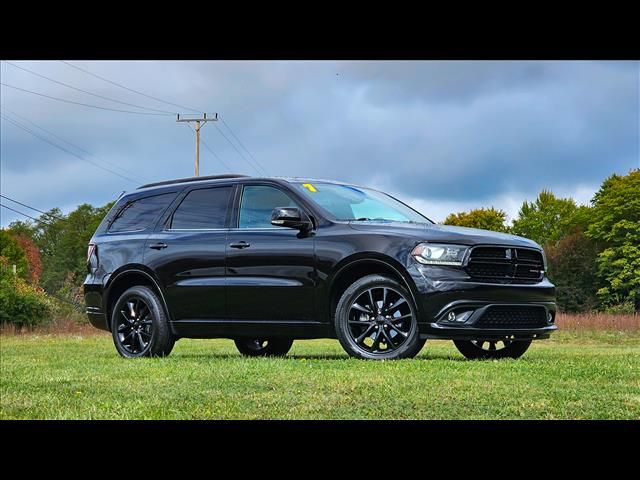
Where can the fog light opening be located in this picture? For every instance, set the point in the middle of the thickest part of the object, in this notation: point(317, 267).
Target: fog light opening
point(464, 316)
point(457, 316)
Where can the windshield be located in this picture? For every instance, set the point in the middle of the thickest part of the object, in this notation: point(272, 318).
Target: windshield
point(346, 202)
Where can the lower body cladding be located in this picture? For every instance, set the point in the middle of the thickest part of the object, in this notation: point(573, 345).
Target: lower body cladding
point(463, 310)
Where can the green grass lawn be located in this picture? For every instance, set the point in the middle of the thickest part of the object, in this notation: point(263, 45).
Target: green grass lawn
point(573, 376)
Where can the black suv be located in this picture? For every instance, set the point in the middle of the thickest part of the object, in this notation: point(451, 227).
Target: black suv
point(265, 261)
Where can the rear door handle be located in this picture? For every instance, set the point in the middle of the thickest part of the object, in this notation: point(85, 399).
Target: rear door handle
point(241, 244)
point(158, 246)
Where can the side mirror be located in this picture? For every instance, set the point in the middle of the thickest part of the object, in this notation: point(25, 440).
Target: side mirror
point(290, 217)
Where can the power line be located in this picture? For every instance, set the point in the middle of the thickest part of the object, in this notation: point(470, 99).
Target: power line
point(242, 145)
point(83, 104)
point(215, 155)
point(23, 214)
point(31, 208)
point(236, 149)
point(74, 145)
point(29, 216)
point(87, 92)
point(130, 89)
point(260, 169)
point(26, 129)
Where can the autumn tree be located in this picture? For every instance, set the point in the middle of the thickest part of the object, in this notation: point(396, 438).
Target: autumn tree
point(13, 254)
point(485, 218)
point(32, 254)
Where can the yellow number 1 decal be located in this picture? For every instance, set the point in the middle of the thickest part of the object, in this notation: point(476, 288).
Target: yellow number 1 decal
point(309, 187)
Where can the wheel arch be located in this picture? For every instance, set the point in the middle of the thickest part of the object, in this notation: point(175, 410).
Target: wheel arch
point(358, 266)
point(130, 276)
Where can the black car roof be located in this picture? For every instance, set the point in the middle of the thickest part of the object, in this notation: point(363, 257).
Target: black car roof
point(181, 182)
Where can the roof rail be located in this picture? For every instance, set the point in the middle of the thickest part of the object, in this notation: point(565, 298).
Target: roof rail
point(193, 179)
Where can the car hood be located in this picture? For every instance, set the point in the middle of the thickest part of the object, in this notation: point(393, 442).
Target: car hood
point(444, 233)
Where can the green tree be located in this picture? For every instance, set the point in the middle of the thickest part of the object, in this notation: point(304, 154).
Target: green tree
point(548, 218)
point(572, 268)
point(615, 223)
point(11, 251)
point(486, 218)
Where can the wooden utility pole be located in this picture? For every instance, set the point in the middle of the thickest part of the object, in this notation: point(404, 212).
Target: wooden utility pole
point(199, 124)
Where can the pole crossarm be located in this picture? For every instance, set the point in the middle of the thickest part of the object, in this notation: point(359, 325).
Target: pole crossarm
point(204, 118)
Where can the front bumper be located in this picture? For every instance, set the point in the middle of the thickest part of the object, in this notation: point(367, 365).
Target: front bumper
point(445, 332)
point(438, 298)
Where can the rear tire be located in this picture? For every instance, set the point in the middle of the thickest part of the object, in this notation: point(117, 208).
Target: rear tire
point(139, 325)
point(263, 347)
point(482, 349)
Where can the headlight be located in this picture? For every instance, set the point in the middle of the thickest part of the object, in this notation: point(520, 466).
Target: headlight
point(439, 254)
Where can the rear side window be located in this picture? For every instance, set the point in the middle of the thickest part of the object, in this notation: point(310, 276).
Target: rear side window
point(140, 214)
point(202, 209)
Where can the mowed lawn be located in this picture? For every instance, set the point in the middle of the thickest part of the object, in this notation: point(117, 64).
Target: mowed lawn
point(587, 375)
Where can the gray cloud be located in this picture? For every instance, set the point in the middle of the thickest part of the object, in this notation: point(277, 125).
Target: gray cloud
point(439, 133)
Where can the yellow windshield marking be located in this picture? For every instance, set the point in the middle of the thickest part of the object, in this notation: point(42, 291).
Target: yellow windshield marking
point(309, 187)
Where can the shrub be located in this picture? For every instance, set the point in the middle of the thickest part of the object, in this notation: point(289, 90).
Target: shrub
point(20, 303)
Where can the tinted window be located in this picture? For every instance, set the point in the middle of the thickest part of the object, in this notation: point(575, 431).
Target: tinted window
point(141, 213)
point(203, 208)
point(258, 203)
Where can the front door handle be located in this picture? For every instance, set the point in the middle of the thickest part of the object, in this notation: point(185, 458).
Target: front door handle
point(158, 246)
point(241, 244)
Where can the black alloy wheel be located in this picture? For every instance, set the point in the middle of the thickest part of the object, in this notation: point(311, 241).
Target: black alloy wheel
point(492, 348)
point(263, 347)
point(136, 326)
point(140, 327)
point(376, 319)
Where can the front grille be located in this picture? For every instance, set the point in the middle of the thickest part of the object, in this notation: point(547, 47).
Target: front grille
point(513, 317)
point(505, 265)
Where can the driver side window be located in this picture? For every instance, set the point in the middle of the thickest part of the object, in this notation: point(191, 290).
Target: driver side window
point(257, 204)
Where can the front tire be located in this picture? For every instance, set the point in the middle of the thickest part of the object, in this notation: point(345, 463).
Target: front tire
point(376, 319)
point(139, 325)
point(263, 347)
point(492, 349)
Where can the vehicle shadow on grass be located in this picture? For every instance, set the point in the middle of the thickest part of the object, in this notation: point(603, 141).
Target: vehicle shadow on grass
point(299, 356)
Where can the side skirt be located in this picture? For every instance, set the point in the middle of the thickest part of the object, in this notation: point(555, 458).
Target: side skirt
point(239, 328)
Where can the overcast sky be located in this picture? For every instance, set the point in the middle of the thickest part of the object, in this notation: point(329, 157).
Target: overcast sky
point(442, 136)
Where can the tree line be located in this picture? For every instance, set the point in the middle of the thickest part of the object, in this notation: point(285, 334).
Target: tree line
point(593, 251)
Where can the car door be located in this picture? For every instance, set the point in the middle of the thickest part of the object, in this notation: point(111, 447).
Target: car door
point(187, 252)
point(270, 269)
